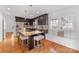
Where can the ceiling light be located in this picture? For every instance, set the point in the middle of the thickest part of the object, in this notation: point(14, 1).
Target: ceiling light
point(8, 8)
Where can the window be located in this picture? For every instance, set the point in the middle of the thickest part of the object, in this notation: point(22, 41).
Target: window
point(54, 23)
point(68, 22)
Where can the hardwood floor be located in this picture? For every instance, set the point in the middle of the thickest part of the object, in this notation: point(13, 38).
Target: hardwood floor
point(6, 46)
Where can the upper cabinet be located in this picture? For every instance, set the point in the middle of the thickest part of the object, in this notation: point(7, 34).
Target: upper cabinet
point(37, 23)
point(42, 20)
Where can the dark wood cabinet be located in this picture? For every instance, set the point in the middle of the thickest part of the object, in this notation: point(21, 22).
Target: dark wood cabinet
point(31, 43)
point(42, 23)
point(43, 20)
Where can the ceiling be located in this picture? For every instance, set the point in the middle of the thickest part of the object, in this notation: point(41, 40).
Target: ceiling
point(31, 11)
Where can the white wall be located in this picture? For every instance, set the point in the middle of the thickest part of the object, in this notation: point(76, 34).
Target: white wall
point(1, 33)
point(10, 24)
point(72, 11)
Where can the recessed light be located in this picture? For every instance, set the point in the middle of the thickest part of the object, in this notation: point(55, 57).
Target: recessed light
point(8, 8)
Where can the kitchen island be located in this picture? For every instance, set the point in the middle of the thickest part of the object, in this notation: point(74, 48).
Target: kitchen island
point(30, 36)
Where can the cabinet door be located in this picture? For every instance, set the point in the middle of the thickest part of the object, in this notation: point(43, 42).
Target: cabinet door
point(43, 20)
point(31, 43)
point(40, 21)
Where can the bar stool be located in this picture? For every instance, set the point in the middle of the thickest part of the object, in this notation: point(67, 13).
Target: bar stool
point(37, 39)
point(24, 41)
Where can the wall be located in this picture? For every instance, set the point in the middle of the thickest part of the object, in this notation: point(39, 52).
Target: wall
point(10, 24)
point(71, 11)
point(1, 22)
